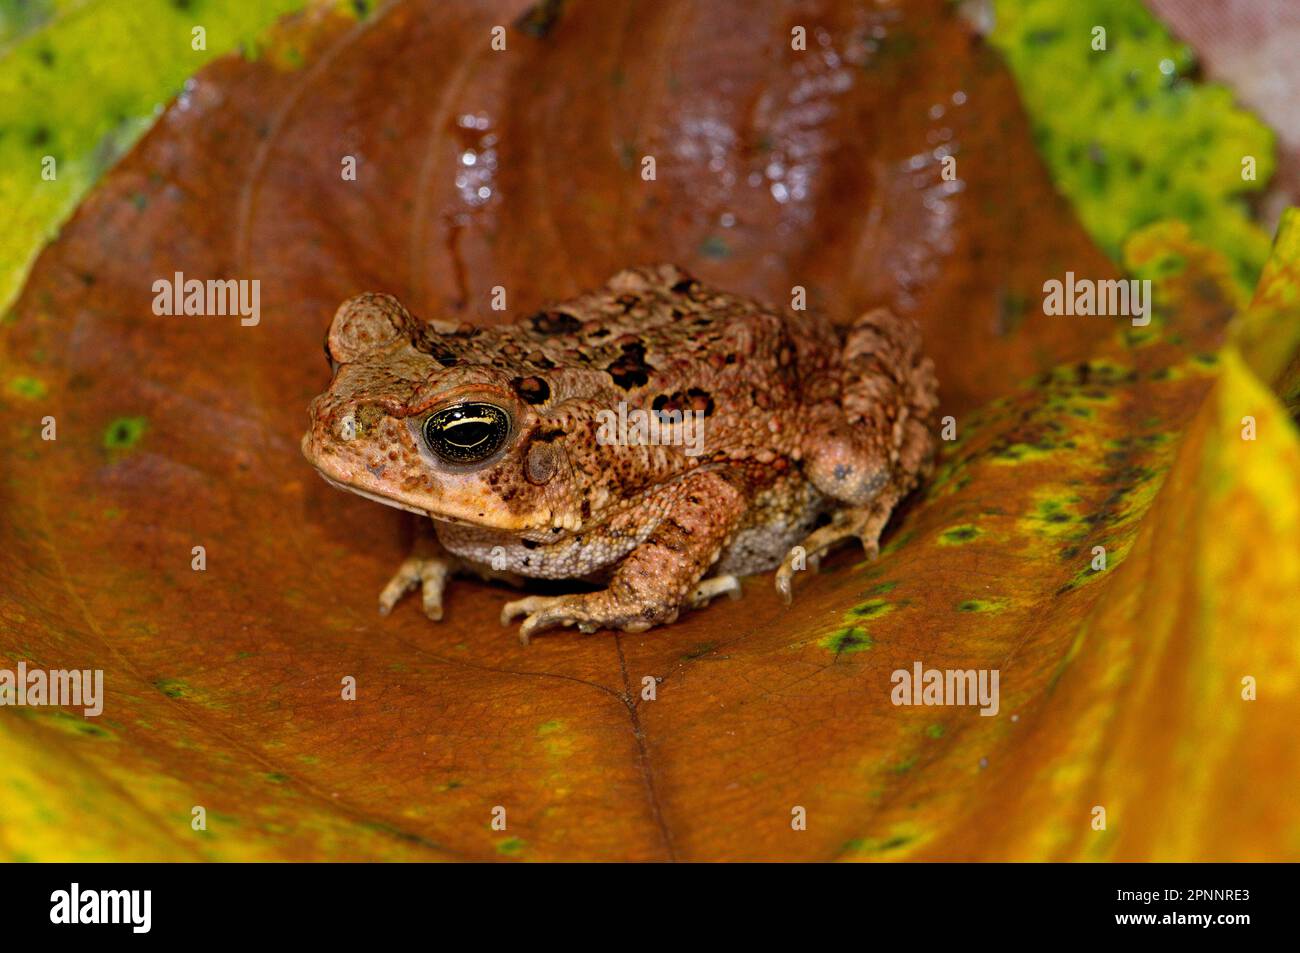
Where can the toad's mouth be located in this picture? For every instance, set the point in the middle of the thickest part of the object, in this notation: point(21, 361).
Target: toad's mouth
point(344, 482)
point(342, 476)
point(374, 497)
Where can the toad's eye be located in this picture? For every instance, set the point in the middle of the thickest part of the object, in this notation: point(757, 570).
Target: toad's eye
point(467, 433)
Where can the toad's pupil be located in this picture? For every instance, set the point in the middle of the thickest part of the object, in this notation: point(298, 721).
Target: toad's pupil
point(469, 432)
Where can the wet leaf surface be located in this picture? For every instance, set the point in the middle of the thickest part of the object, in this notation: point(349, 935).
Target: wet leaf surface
point(1119, 688)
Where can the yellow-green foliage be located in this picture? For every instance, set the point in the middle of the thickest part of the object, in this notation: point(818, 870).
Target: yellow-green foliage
point(80, 81)
point(1128, 136)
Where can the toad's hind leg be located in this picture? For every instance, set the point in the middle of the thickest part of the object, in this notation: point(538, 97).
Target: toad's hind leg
point(871, 450)
point(662, 575)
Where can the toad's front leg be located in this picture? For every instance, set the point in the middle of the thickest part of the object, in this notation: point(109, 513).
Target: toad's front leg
point(428, 569)
point(659, 577)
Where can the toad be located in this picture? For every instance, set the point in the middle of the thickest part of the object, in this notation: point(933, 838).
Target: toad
point(656, 437)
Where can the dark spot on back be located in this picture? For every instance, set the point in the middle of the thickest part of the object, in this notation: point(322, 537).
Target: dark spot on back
point(554, 322)
point(442, 354)
point(630, 369)
point(700, 400)
point(531, 390)
point(694, 399)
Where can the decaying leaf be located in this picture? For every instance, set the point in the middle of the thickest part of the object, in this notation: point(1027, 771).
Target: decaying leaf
point(1120, 687)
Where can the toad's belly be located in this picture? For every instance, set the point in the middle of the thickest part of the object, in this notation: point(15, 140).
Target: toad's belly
point(778, 518)
point(584, 556)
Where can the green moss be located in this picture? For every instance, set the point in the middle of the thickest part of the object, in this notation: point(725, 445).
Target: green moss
point(75, 723)
point(172, 688)
point(511, 846)
point(871, 609)
point(847, 640)
point(1140, 337)
point(876, 845)
point(124, 433)
point(102, 69)
point(1054, 516)
point(28, 388)
point(958, 535)
point(715, 247)
point(1130, 137)
point(1017, 453)
point(982, 605)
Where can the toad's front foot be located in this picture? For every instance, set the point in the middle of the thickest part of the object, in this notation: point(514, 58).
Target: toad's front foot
point(428, 567)
point(429, 574)
point(590, 611)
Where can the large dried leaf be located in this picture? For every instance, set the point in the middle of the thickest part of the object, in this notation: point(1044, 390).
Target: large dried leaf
point(774, 168)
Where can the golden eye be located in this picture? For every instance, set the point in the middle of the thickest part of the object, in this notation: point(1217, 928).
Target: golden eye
point(467, 433)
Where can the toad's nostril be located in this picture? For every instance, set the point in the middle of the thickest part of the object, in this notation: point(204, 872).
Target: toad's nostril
point(376, 470)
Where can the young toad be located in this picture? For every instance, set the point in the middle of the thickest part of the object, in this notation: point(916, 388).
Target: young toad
point(657, 437)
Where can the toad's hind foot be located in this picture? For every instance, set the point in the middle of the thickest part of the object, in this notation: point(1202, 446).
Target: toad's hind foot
point(864, 524)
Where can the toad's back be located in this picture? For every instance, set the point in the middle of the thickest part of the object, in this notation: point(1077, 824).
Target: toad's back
point(656, 339)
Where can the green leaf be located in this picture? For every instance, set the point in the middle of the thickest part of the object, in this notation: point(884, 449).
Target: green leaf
point(1129, 137)
point(80, 82)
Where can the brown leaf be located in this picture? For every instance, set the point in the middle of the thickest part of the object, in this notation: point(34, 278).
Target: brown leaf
point(175, 432)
